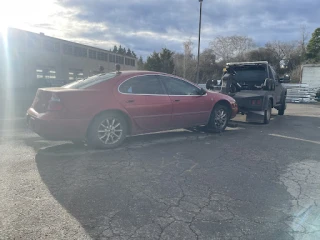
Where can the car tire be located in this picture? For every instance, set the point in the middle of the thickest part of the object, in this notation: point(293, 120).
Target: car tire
point(107, 130)
point(219, 119)
point(282, 107)
point(267, 113)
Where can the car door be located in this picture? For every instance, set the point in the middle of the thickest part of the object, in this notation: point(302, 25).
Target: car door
point(278, 89)
point(147, 102)
point(190, 108)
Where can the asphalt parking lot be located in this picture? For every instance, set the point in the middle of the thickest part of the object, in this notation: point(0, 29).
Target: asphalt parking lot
point(251, 182)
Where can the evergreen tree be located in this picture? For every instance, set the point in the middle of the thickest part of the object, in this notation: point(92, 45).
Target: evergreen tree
point(160, 62)
point(313, 48)
point(120, 50)
point(140, 64)
point(129, 53)
point(153, 62)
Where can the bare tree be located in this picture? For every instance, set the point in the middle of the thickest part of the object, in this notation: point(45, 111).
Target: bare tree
point(283, 53)
point(226, 48)
point(188, 48)
point(282, 50)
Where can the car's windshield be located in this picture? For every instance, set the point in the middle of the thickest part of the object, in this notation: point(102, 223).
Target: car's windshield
point(90, 81)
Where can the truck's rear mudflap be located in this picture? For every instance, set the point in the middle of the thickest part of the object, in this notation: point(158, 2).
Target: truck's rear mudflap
point(255, 116)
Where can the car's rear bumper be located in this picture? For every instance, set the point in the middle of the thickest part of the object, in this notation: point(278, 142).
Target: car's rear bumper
point(52, 127)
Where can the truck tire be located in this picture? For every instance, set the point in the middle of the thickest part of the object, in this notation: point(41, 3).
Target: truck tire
point(282, 108)
point(267, 113)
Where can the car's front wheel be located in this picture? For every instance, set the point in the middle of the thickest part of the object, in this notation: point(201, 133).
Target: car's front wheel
point(219, 119)
point(108, 130)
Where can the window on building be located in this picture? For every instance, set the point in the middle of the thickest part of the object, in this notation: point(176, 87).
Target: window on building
point(46, 73)
point(119, 59)
point(75, 74)
point(39, 73)
point(92, 54)
point(112, 58)
point(67, 49)
point(130, 62)
point(80, 52)
point(51, 46)
point(103, 56)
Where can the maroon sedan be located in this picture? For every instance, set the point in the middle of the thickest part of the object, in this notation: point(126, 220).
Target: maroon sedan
point(106, 108)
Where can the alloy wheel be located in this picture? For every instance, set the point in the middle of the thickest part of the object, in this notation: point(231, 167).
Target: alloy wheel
point(220, 118)
point(110, 131)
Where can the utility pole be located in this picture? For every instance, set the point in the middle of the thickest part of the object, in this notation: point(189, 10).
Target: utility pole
point(199, 41)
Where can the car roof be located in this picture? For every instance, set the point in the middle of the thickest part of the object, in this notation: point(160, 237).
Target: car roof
point(141, 72)
point(247, 63)
point(132, 73)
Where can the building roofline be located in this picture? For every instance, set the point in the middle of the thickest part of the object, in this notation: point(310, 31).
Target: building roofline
point(41, 34)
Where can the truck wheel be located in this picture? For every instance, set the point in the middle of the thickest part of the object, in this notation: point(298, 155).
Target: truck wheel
point(219, 119)
point(267, 113)
point(282, 107)
point(107, 131)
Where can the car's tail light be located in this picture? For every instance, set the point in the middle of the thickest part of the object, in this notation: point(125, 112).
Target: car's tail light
point(55, 103)
point(256, 102)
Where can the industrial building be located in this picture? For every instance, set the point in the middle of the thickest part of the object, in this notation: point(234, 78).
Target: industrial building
point(31, 60)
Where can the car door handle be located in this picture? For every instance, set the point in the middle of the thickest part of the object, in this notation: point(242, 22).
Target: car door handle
point(177, 100)
point(130, 101)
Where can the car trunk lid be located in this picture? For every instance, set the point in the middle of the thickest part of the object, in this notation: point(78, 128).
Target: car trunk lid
point(54, 99)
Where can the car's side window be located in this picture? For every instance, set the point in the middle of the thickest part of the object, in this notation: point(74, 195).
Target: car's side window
point(176, 86)
point(148, 84)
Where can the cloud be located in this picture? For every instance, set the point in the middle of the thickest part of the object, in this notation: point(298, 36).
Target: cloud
point(145, 26)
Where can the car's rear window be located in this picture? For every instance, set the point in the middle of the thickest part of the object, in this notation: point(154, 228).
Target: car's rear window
point(90, 81)
point(250, 73)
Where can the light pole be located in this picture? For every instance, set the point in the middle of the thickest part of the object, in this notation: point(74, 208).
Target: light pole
point(200, 1)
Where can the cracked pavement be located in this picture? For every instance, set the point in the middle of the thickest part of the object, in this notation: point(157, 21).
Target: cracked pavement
point(245, 183)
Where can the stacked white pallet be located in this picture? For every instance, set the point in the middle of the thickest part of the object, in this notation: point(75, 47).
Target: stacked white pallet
point(300, 93)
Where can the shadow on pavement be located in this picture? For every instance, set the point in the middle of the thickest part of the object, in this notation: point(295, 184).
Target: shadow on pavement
point(138, 141)
point(219, 187)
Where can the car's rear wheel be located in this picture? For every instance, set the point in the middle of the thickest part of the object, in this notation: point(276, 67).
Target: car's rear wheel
point(267, 113)
point(219, 119)
point(108, 130)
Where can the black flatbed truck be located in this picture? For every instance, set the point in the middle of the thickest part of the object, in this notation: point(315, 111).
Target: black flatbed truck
point(260, 90)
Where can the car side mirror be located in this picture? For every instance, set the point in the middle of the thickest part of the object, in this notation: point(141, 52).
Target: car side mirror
point(286, 79)
point(268, 84)
point(215, 82)
point(202, 92)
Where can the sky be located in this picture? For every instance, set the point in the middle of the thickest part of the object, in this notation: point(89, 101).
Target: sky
point(150, 25)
